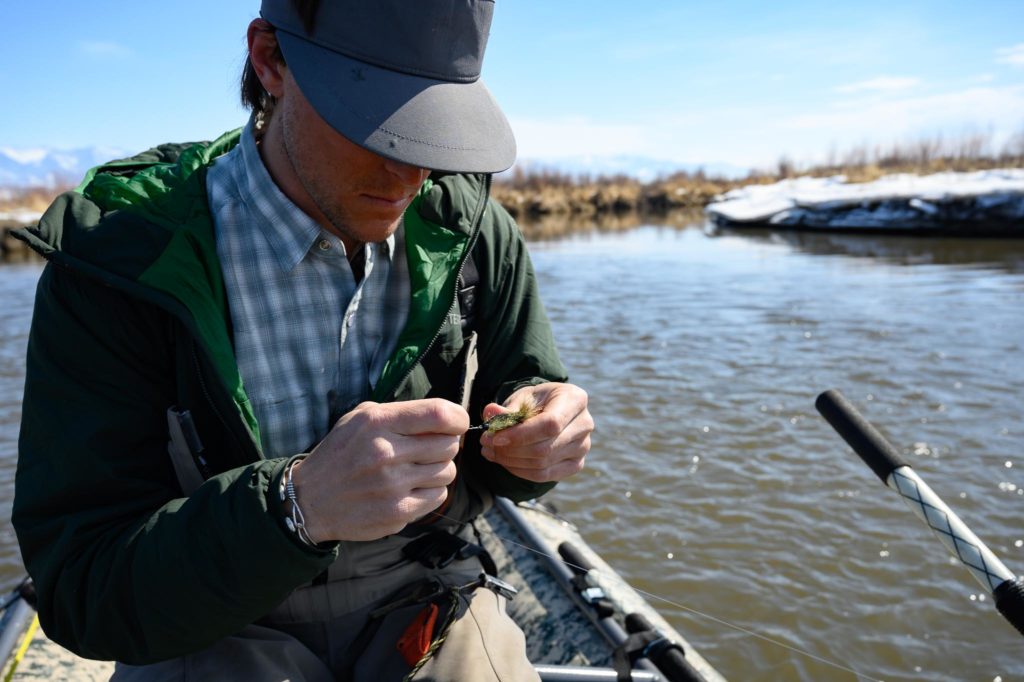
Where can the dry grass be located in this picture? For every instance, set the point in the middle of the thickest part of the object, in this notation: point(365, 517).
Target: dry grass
point(530, 196)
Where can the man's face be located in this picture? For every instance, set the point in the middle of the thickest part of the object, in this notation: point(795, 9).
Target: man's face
point(361, 195)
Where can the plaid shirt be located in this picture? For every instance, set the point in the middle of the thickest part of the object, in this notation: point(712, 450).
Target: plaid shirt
point(310, 343)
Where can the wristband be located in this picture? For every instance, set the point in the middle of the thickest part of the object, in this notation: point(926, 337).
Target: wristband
point(295, 521)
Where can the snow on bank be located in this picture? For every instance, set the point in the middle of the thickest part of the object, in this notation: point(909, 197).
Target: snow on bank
point(20, 216)
point(900, 201)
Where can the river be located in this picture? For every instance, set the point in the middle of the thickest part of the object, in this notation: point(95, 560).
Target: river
point(714, 485)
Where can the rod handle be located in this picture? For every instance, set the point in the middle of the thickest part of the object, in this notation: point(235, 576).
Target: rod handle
point(574, 559)
point(866, 441)
point(1010, 602)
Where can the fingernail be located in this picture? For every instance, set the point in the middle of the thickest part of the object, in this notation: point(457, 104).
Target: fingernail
point(487, 453)
point(500, 440)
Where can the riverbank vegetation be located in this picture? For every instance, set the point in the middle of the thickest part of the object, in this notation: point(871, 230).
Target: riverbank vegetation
point(549, 203)
point(538, 196)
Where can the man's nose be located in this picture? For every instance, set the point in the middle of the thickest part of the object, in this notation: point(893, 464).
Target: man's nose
point(408, 175)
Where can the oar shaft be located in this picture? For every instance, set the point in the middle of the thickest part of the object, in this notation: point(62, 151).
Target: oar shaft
point(962, 543)
point(887, 464)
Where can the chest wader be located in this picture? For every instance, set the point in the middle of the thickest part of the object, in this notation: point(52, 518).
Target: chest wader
point(375, 595)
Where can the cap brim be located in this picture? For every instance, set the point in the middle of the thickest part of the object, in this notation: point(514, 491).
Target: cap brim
point(427, 123)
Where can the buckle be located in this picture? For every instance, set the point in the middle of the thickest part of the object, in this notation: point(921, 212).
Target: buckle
point(438, 548)
point(496, 585)
point(423, 592)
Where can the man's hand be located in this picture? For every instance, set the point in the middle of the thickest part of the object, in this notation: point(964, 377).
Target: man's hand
point(381, 467)
point(548, 447)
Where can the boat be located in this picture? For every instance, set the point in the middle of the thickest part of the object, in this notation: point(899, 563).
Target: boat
point(580, 617)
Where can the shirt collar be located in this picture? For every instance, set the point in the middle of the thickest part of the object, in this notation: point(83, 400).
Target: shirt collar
point(289, 232)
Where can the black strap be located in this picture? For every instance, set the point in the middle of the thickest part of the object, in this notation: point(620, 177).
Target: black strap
point(668, 656)
point(438, 548)
point(601, 603)
point(630, 650)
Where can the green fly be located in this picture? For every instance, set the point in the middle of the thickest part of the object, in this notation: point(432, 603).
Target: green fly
point(526, 409)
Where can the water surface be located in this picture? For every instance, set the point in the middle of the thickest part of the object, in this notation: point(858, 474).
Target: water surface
point(714, 483)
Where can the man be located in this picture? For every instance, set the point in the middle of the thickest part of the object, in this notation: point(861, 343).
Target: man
point(291, 313)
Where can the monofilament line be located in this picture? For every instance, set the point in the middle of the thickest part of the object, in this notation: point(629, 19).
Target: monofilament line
point(738, 628)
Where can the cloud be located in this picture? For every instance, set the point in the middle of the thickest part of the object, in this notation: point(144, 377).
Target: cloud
point(1014, 56)
point(880, 84)
point(103, 49)
point(24, 156)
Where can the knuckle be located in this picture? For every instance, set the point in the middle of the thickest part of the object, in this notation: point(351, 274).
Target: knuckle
point(381, 450)
point(440, 411)
point(449, 473)
point(550, 428)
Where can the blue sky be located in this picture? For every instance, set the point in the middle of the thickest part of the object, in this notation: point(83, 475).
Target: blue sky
point(737, 82)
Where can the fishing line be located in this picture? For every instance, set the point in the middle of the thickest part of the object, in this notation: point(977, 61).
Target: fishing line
point(651, 595)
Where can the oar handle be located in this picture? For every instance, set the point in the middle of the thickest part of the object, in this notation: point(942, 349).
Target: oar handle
point(885, 461)
point(865, 440)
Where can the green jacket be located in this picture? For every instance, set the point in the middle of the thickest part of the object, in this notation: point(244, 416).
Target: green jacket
point(130, 319)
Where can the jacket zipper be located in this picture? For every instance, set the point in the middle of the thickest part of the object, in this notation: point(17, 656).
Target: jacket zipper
point(455, 296)
point(213, 403)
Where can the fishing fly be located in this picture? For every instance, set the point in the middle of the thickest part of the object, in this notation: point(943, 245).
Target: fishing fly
point(526, 409)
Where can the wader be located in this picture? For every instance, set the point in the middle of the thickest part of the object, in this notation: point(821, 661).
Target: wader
point(360, 621)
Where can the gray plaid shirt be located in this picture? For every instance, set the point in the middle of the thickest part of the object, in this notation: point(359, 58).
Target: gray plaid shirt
point(310, 343)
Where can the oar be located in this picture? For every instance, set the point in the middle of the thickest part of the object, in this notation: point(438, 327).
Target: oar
point(877, 453)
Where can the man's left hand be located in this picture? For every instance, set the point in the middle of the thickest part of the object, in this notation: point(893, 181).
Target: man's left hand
point(550, 446)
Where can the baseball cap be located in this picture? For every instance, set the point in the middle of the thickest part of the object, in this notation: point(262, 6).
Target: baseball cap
point(400, 78)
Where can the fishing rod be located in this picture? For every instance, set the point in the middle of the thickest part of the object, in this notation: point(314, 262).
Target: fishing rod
point(1006, 588)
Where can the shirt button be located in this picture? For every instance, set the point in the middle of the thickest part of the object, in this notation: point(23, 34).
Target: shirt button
point(323, 245)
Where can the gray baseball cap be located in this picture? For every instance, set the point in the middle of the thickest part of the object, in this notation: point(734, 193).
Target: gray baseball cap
point(400, 78)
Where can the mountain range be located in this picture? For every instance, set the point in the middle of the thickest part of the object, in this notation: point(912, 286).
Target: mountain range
point(54, 167)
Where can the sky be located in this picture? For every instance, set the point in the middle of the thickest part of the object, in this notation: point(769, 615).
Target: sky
point(741, 83)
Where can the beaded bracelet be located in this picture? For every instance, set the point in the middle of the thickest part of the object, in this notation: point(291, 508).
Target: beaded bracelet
point(296, 522)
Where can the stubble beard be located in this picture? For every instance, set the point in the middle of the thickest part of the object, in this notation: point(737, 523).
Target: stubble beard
point(340, 220)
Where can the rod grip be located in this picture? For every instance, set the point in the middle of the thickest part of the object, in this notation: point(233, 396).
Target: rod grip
point(1009, 597)
point(865, 440)
point(574, 558)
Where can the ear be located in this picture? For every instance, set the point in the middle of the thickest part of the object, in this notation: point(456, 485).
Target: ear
point(265, 57)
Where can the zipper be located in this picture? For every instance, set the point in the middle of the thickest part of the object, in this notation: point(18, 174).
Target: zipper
point(212, 403)
point(455, 296)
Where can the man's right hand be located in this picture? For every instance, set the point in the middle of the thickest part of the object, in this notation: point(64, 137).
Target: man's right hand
point(382, 466)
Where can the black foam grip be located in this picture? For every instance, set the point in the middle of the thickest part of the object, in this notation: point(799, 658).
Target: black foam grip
point(1010, 602)
point(574, 558)
point(865, 440)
